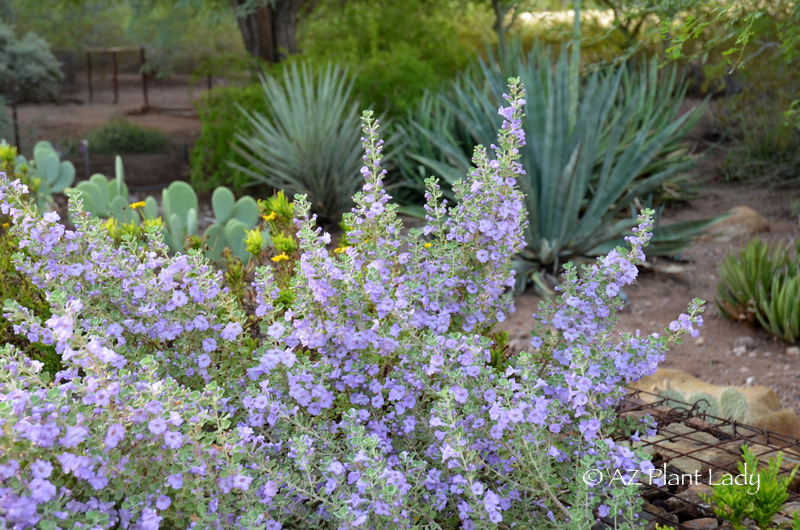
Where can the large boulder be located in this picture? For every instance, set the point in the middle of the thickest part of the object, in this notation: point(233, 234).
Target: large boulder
point(741, 222)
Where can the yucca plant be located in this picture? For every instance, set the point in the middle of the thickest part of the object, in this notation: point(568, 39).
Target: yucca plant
point(762, 284)
point(597, 147)
point(309, 143)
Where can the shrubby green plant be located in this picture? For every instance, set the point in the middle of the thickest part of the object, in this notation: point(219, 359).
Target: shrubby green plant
point(596, 147)
point(28, 61)
point(121, 136)
point(371, 399)
point(759, 499)
point(308, 141)
point(400, 49)
point(220, 120)
point(762, 284)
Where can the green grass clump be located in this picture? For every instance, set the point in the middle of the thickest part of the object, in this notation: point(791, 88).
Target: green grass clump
point(120, 136)
point(762, 284)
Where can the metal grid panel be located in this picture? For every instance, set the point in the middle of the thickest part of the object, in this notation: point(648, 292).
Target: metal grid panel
point(706, 442)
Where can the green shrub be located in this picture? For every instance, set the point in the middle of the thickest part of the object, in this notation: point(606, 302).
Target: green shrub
point(220, 119)
point(309, 142)
point(596, 146)
point(396, 50)
point(763, 145)
point(6, 123)
point(120, 136)
point(762, 285)
point(35, 70)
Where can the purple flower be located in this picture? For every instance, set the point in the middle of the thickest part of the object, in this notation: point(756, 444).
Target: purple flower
point(203, 361)
point(209, 345)
point(242, 482)
point(459, 394)
point(174, 440)
point(114, 435)
point(74, 436)
point(42, 489)
point(336, 468)
point(163, 502)
point(41, 468)
point(157, 425)
point(231, 331)
point(175, 481)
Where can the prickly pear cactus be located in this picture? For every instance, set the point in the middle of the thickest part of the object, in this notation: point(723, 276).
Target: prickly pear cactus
point(53, 174)
point(233, 218)
point(179, 201)
point(705, 403)
point(673, 398)
point(733, 404)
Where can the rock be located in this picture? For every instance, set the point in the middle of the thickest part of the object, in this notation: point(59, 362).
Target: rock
point(689, 502)
point(792, 351)
point(706, 523)
point(789, 508)
point(763, 405)
point(748, 343)
point(739, 350)
point(742, 221)
point(655, 515)
point(750, 380)
point(784, 517)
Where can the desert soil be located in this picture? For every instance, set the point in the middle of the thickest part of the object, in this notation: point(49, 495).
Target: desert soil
point(656, 298)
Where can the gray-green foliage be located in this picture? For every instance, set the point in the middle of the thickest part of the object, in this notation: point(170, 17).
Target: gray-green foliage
point(233, 219)
point(103, 197)
point(596, 146)
point(310, 143)
point(35, 71)
point(762, 284)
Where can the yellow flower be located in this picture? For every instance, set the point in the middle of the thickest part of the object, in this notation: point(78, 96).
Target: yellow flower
point(136, 205)
point(280, 257)
point(6, 225)
point(427, 245)
point(269, 217)
point(340, 250)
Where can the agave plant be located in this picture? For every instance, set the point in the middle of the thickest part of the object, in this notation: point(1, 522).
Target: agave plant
point(596, 147)
point(762, 284)
point(309, 143)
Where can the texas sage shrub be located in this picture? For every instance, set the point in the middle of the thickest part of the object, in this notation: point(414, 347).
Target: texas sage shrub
point(371, 400)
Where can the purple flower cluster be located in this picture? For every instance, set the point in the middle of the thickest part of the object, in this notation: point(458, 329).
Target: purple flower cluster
point(371, 400)
point(142, 300)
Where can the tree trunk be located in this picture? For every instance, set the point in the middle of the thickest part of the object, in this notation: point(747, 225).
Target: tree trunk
point(269, 30)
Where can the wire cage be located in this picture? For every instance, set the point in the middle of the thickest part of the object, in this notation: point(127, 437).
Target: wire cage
point(694, 450)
